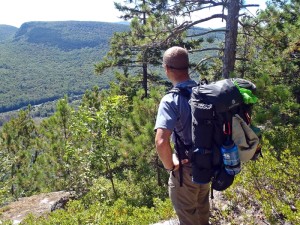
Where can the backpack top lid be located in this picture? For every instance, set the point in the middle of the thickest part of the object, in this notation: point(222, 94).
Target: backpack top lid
point(244, 84)
point(223, 94)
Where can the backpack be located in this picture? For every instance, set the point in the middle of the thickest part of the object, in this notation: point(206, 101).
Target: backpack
point(213, 107)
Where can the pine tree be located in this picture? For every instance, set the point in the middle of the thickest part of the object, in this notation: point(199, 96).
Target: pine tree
point(19, 149)
point(141, 46)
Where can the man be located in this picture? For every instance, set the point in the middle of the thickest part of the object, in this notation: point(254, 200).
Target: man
point(190, 200)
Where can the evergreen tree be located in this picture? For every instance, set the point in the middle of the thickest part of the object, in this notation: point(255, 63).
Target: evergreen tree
point(55, 132)
point(19, 151)
point(138, 149)
point(276, 31)
point(141, 46)
point(271, 50)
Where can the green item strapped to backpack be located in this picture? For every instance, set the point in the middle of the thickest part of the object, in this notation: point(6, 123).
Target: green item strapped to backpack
point(248, 96)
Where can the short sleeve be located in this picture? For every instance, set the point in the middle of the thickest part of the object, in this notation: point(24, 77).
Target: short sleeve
point(167, 114)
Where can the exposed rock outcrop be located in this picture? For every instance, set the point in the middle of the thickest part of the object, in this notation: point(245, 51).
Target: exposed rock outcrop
point(36, 205)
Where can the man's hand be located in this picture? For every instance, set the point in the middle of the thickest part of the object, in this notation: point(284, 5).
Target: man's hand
point(163, 147)
point(176, 161)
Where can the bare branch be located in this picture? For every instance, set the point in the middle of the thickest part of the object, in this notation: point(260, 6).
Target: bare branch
point(203, 60)
point(242, 59)
point(206, 49)
point(250, 5)
point(202, 2)
point(187, 24)
point(215, 16)
point(204, 7)
point(207, 32)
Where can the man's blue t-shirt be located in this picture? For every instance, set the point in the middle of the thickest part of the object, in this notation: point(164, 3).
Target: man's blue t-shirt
point(174, 113)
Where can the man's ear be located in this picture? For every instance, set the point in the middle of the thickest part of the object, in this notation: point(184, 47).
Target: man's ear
point(166, 68)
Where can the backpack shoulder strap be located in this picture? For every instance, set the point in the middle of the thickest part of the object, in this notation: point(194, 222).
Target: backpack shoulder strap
point(181, 91)
point(185, 92)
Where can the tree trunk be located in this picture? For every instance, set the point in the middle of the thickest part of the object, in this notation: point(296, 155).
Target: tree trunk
point(231, 37)
point(145, 66)
point(145, 78)
point(110, 176)
point(159, 182)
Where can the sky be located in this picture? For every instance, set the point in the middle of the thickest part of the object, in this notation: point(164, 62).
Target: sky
point(16, 12)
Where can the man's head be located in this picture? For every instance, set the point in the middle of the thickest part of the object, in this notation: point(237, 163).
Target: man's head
point(176, 58)
point(176, 64)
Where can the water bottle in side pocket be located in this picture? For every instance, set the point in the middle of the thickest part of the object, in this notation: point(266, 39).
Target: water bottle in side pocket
point(231, 158)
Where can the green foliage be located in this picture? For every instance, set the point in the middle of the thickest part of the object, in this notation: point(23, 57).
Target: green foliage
point(141, 46)
point(69, 35)
point(97, 123)
point(139, 149)
point(153, 28)
point(274, 182)
point(119, 213)
point(274, 48)
point(102, 138)
point(277, 105)
point(19, 150)
point(100, 206)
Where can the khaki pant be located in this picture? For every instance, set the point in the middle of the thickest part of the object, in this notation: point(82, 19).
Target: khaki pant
point(191, 201)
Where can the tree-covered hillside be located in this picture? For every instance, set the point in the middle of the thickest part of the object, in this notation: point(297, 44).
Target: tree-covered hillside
point(68, 36)
point(7, 32)
point(43, 61)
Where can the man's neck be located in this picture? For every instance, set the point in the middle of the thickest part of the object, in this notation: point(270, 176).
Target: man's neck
point(180, 81)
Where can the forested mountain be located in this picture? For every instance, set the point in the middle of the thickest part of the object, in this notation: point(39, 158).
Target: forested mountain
point(7, 32)
point(68, 36)
point(43, 61)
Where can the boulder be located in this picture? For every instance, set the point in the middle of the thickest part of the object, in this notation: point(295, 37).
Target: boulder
point(37, 205)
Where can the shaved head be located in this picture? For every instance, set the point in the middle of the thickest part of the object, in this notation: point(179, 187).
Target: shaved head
point(176, 58)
